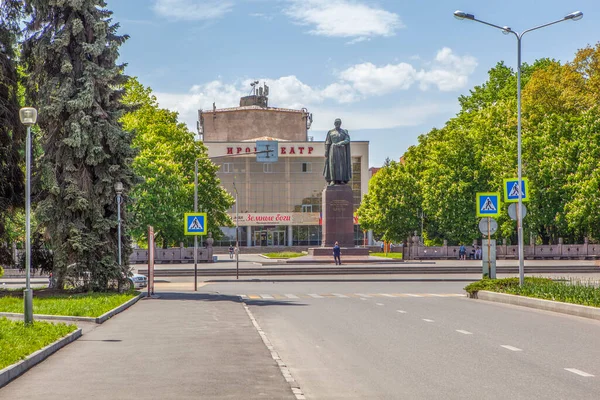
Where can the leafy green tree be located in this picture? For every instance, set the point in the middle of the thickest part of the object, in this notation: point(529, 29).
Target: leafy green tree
point(75, 82)
point(12, 188)
point(167, 151)
point(390, 207)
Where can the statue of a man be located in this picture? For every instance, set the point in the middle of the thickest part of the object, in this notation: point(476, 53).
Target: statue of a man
point(338, 161)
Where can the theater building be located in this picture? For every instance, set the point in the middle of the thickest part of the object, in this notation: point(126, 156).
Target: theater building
point(280, 202)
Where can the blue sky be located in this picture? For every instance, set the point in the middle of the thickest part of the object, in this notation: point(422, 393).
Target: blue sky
point(391, 70)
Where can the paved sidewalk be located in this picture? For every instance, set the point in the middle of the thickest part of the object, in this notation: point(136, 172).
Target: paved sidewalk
point(180, 346)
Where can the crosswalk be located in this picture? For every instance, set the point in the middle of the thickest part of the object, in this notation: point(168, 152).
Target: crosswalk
point(296, 296)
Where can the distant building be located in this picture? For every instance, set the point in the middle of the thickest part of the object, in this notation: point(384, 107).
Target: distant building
point(279, 203)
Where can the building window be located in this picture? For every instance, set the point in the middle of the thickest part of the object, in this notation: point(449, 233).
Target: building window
point(227, 168)
point(307, 208)
point(306, 167)
point(267, 168)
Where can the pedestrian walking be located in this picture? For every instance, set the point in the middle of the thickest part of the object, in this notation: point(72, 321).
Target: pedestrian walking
point(336, 254)
point(230, 252)
point(462, 251)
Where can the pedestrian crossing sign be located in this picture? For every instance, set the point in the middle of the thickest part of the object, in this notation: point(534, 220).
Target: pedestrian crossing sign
point(488, 204)
point(511, 190)
point(194, 224)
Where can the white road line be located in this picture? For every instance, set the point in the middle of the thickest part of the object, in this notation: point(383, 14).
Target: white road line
point(427, 320)
point(437, 295)
point(413, 295)
point(243, 296)
point(267, 296)
point(362, 298)
point(401, 311)
point(315, 296)
point(362, 295)
point(511, 348)
point(379, 304)
point(291, 296)
point(579, 372)
point(339, 295)
point(386, 295)
point(463, 332)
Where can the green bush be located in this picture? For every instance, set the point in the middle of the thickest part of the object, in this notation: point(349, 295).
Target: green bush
point(284, 254)
point(567, 291)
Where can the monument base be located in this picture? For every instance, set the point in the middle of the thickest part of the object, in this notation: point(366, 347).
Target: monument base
point(346, 251)
point(338, 216)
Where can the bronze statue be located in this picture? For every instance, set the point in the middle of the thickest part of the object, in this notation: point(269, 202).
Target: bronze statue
point(338, 161)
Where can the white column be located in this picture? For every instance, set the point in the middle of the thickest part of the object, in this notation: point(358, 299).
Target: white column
point(290, 236)
point(249, 236)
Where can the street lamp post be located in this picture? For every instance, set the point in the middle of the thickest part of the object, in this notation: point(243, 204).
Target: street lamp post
point(574, 16)
point(28, 117)
point(195, 236)
point(119, 191)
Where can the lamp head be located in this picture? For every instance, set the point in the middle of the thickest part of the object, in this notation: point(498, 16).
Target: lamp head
point(28, 116)
point(506, 30)
point(574, 16)
point(463, 15)
point(119, 187)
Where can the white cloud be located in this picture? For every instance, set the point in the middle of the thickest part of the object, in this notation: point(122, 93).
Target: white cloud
point(192, 10)
point(343, 18)
point(449, 71)
point(372, 80)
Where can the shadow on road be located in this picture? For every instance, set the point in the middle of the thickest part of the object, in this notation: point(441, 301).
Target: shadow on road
point(223, 297)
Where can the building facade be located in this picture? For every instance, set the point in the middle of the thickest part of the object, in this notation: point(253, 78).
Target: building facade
point(278, 203)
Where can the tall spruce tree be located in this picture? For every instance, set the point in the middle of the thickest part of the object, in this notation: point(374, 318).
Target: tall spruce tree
point(11, 130)
point(76, 84)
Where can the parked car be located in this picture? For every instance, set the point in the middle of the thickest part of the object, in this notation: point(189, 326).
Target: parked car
point(138, 281)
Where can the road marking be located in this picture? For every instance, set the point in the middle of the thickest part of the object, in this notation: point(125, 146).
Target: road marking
point(379, 304)
point(386, 295)
point(254, 297)
point(427, 320)
point(266, 296)
point(511, 348)
point(362, 295)
point(413, 295)
point(463, 332)
point(437, 295)
point(283, 368)
point(279, 296)
point(579, 372)
point(401, 311)
point(291, 296)
point(362, 298)
point(339, 295)
point(315, 296)
point(243, 296)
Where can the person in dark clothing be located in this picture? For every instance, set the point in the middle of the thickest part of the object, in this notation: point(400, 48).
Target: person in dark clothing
point(336, 254)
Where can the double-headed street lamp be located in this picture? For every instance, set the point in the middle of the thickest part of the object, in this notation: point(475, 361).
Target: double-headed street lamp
point(574, 16)
point(28, 117)
point(119, 191)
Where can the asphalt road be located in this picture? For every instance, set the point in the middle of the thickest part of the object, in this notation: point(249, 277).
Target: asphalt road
point(418, 340)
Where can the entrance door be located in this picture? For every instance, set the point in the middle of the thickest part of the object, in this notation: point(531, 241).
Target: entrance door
point(276, 238)
point(260, 238)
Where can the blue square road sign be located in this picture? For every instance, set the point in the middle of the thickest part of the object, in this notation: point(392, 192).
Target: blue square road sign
point(194, 224)
point(488, 204)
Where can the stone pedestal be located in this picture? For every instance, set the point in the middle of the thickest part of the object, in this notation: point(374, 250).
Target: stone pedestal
point(338, 216)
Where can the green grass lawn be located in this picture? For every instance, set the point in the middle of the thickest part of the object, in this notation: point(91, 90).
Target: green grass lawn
point(76, 305)
point(17, 341)
point(387, 255)
point(284, 254)
point(565, 290)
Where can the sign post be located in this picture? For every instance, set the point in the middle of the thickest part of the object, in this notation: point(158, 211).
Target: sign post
point(488, 206)
point(195, 224)
point(150, 260)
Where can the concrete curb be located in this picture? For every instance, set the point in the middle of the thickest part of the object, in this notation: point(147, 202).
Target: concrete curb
point(98, 320)
point(101, 319)
point(14, 371)
point(540, 304)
